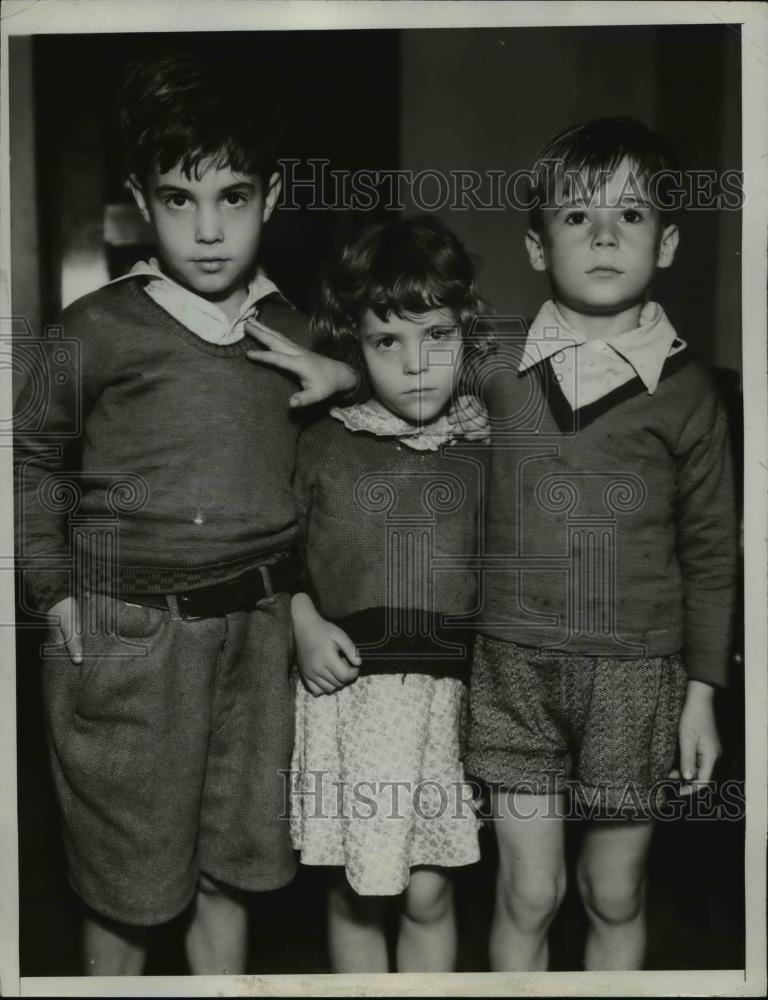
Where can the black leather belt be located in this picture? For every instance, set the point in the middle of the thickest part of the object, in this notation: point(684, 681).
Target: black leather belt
point(241, 594)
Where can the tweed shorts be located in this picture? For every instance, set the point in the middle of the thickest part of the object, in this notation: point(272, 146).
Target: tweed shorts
point(168, 743)
point(546, 721)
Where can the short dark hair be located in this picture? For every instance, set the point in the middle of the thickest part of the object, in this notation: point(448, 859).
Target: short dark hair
point(407, 267)
point(592, 151)
point(182, 108)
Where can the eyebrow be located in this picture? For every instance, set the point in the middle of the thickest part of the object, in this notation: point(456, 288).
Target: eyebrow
point(628, 201)
point(177, 189)
point(378, 332)
point(373, 334)
point(170, 189)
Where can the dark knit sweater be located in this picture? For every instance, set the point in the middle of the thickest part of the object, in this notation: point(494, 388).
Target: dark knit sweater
point(388, 533)
point(612, 530)
point(187, 446)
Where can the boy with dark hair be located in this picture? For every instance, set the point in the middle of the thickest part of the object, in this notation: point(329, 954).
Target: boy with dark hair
point(171, 716)
point(611, 532)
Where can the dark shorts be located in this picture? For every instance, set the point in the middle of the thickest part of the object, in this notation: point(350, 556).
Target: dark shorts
point(603, 728)
point(167, 747)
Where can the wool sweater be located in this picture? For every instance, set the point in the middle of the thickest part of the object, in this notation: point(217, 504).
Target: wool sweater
point(181, 450)
point(389, 534)
point(611, 530)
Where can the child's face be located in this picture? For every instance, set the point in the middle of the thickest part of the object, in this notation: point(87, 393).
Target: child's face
point(601, 253)
point(412, 362)
point(208, 230)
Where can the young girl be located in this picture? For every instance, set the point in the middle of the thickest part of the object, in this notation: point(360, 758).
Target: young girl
point(378, 782)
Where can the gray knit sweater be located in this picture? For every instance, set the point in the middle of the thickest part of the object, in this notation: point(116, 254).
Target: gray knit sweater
point(180, 449)
point(390, 534)
point(611, 530)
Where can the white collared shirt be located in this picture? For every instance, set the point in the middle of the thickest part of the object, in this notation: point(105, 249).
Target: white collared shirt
point(588, 369)
point(194, 312)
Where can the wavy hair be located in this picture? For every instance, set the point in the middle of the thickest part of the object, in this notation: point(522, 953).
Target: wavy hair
point(181, 108)
point(403, 268)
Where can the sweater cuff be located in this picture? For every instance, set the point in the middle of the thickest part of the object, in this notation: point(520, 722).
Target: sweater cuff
point(710, 664)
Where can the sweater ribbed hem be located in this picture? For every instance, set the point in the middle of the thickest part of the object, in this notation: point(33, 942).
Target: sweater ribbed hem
point(626, 646)
point(387, 646)
point(709, 669)
point(152, 580)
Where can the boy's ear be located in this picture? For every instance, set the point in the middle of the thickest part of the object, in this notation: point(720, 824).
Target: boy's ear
point(534, 244)
point(668, 246)
point(138, 196)
point(272, 194)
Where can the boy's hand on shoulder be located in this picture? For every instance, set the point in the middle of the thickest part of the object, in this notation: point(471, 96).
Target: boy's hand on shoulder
point(699, 742)
point(469, 418)
point(326, 655)
point(320, 377)
point(64, 628)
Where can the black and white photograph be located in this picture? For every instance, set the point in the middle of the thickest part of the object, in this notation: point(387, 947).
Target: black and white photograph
point(385, 464)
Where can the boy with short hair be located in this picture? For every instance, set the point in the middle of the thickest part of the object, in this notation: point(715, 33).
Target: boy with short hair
point(611, 534)
point(171, 718)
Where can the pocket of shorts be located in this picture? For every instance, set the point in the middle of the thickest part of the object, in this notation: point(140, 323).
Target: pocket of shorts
point(116, 656)
point(107, 616)
point(138, 622)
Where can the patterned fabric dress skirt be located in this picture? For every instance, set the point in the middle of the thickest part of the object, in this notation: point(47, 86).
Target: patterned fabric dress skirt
point(378, 785)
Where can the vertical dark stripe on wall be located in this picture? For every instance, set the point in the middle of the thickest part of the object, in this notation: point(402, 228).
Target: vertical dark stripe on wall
point(693, 57)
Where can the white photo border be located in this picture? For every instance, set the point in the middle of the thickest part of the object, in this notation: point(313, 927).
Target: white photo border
point(22, 17)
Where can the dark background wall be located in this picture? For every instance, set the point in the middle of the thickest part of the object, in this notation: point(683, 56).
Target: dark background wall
point(417, 99)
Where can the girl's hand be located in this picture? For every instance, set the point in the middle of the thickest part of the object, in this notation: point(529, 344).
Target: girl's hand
point(320, 377)
point(470, 418)
point(326, 655)
point(699, 742)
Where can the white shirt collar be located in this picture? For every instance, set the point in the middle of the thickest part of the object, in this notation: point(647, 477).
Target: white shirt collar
point(198, 314)
point(645, 348)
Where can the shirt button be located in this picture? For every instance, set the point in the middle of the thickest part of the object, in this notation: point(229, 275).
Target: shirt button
point(558, 358)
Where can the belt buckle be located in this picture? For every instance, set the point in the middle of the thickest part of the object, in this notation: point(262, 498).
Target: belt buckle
point(177, 607)
point(268, 590)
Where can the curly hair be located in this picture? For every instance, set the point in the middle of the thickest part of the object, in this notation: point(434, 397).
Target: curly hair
point(408, 267)
point(591, 151)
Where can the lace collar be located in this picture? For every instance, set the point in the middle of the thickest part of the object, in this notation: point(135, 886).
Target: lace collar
point(420, 437)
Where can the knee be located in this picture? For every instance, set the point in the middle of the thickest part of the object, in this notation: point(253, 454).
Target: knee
point(345, 904)
point(611, 900)
point(210, 890)
point(428, 902)
point(531, 900)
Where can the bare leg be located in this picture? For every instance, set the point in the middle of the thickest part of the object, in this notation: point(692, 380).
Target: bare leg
point(531, 880)
point(611, 878)
point(427, 938)
point(113, 949)
point(356, 937)
point(217, 934)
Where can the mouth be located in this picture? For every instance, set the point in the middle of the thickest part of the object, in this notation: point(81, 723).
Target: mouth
point(418, 392)
point(210, 264)
point(605, 269)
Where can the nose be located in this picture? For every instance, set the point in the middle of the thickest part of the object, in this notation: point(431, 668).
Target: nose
point(208, 225)
point(415, 359)
point(604, 234)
